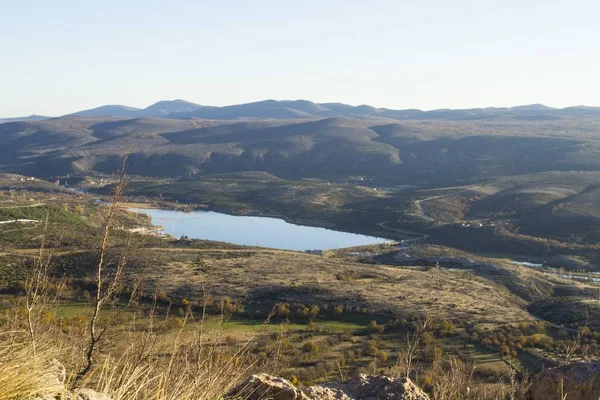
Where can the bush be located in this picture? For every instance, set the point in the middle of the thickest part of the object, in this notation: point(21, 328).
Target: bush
point(281, 310)
point(305, 313)
point(374, 327)
point(173, 323)
point(228, 307)
point(446, 328)
point(382, 356)
point(371, 348)
point(310, 347)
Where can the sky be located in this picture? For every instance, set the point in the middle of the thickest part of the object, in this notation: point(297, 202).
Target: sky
point(61, 56)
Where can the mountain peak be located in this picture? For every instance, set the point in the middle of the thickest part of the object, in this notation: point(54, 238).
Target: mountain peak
point(302, 108)
point(532, 107)
point(165, 107)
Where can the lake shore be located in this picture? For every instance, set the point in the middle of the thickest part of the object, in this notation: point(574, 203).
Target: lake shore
point(264, 231)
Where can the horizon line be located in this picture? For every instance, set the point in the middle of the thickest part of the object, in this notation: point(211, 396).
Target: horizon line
point(300, 99)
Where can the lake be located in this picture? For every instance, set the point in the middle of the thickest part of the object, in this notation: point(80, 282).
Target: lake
point(253, 231)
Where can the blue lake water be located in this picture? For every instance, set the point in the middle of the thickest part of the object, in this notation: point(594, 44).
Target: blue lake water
point(253, 231)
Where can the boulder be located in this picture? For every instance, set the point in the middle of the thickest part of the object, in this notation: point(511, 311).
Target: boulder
point(55, 374)
point(362, 387)
point(369, 387)
point(326, 393)
point(77, 394)
point(579, 381)
point(89, 394)
point(263, 386)
point(58, 372)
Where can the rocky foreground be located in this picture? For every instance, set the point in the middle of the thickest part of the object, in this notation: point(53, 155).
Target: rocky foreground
point(364, 387)
point(578, 381)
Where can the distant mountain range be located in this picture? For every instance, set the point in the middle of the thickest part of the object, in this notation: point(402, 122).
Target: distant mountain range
point(286, 109)
point(160, 109)
point(29, 118)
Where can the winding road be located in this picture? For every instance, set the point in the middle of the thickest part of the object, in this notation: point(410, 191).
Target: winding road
point(420, 206)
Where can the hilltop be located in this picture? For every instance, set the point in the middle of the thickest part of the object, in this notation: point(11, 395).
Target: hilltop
point(407, 152)
point(283, 109)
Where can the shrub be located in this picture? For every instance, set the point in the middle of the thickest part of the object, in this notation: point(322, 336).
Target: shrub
point(281, 310)
point(446, 328)
point(173, 323)
point(228, 307)
point(310, 347)
point(305, 313)
point(338, 310)
point(371, 348)
point(374, 327)
point(382, 356)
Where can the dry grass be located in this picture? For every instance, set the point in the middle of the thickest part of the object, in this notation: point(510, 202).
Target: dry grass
point(25, 373)
point(270, 276)
point(137, 359)
point(140, 362)
point(130, 365)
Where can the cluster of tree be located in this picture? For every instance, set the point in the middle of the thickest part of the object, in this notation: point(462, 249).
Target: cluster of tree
point(374, 327)
point(439, 329)
point(508, 340)
point(208, 304)
point(320, 371)
point(298, 311)
point(372, 349)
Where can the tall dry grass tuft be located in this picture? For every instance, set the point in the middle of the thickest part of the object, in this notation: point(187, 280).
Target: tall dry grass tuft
point(452, 379)
point(198, 363)
point(26, 372)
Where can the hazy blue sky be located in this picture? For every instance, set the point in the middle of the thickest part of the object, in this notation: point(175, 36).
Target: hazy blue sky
point(60, 56)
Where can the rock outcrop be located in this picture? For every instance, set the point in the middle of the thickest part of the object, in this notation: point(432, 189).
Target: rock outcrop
point(369, 387)
point(78, 394)
point(580, 381)
point(89, 394)
point(326, 393)
point(57, 374)
point(362, 387)
point(264, 386)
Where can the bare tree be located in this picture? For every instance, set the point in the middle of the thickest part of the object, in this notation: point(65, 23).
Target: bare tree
point(108, 286)
point(519, 383)
point(575, 345)
point(412, 348)
point(452, 379)
point(41, 293)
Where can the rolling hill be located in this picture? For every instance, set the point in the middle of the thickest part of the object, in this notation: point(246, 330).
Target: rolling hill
point(284, 109)
point(384, 151)
point(529, 179)
point(29, 118)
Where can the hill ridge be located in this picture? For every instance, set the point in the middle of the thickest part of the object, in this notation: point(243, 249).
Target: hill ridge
point(301, 108)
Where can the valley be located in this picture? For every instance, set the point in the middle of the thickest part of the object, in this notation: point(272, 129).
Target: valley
point(481, 298)
point(478, 237)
